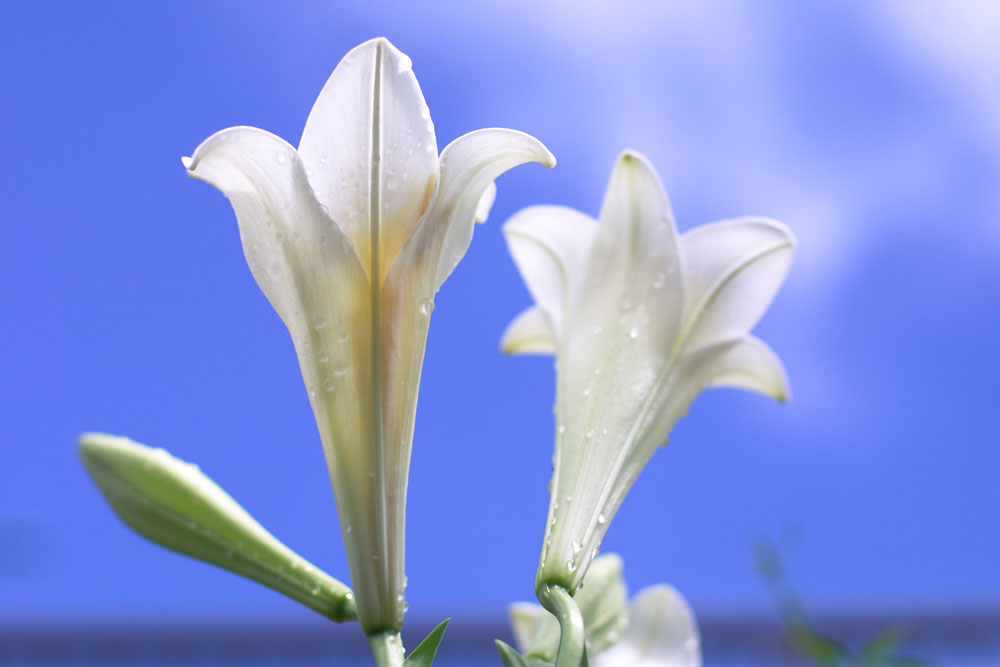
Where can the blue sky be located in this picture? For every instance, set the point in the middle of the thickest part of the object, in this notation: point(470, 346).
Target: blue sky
point(872, 130)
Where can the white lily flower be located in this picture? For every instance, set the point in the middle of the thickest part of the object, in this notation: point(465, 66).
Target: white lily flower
point(661, 632)
point(640, 320)
point(349, 237)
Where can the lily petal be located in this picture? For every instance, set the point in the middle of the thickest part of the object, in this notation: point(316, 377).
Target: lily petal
point(279, 218)
point(369, 141)
point(309, 272)
point(732, 270)
point(747, 363)
point(486, 202)
point(469, 165)
point(549, 245)
point(529, 333)
point(634, 264)
point(662, 632)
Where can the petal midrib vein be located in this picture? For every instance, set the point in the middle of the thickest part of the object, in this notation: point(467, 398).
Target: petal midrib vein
point(381, 523)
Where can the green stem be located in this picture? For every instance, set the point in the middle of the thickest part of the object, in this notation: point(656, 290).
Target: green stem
point(387, 648)
point(573, 640)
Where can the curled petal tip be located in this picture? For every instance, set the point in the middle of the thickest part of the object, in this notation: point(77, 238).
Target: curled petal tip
point(550, 159)
point(187, 162)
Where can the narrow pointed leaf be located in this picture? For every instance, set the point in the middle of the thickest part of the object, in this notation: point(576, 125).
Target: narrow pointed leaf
point(423, 655)
point(508, 656)
point(174, 504)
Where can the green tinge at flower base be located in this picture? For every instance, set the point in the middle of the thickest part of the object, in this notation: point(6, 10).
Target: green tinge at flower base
point(174, 504)
point(603, 604)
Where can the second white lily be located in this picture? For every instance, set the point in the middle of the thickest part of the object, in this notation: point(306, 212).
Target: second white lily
point(349, 237)
point(640, 320)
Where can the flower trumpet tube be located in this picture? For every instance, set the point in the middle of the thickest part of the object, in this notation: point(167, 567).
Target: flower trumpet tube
point(350, 236)
point(640, 320)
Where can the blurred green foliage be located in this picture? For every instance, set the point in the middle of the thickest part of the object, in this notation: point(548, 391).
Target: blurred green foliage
point(884, 650)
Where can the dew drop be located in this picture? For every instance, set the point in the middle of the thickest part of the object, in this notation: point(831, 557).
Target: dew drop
point(281, 157)
point(318, 322)
point(561, 429)
point(342, 336)
point(323, 357)
point(328, 387)
point(586, 392)
point(633, 333)
point(571, 565)
point(339, 367)
point(597, 330)
point(348, 529)
point(626, 304)
point(589, 434)
point(577, 547)
point(427, 306)
point(660, 281)
point(601, 519)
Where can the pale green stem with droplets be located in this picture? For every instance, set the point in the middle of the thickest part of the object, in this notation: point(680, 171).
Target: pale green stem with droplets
point(387, 647)
point(573, 638)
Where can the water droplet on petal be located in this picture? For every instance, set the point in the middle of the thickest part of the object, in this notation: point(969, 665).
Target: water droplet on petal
point(427, 306)
point(601, 519)
point(598, 329)
point(339, 367)
point(660, 281)
point(633, 333)
point(561, 429)
point(323, 357)
point(319, 322)
point(281, 157)
point(577, 547)
point(589, 434)
point(328, 386)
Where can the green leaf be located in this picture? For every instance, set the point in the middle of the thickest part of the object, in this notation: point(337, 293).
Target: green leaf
point(879, 650)
point(508, 656)
point(821, 650)
point(173, 504)
point(423, 655)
